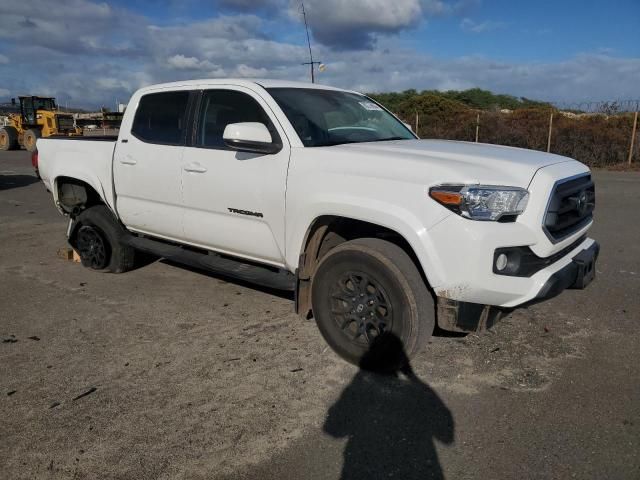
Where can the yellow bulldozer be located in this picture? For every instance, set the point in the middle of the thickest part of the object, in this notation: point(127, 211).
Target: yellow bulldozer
point(37, 117)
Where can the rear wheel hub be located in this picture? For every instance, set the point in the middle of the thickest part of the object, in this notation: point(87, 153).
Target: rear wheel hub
point(92, 248)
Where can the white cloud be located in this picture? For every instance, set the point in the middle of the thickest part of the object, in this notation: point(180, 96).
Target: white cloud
point(355, 24)
point(249, 72)
point(180, 62)
point(120, 51)
point(4, 92)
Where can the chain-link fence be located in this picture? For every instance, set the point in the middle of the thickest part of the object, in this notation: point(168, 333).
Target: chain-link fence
point(600, 134)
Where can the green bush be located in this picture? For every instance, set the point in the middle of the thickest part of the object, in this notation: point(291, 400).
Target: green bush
point(599, 140)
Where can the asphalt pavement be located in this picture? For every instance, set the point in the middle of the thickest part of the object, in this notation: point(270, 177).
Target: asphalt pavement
point(166, 372)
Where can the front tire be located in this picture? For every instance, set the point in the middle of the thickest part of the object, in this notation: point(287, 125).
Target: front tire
point(100, 241)
point(8, 138)
point(366, 292)
point(30, 139)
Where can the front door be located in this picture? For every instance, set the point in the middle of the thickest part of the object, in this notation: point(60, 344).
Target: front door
point(234, 201)
point(147, 166)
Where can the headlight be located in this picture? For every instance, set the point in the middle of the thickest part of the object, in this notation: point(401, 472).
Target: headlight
point(481, 202)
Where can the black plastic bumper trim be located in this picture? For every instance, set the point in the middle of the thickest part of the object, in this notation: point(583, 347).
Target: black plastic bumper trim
point(573, 275)
point(522, 262)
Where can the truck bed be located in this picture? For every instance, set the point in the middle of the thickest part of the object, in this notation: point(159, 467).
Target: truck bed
point(88, 159)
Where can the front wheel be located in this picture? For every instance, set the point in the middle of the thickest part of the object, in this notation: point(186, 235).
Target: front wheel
point(368, 297)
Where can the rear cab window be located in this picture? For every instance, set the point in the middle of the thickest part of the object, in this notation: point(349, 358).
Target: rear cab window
point(161, 118)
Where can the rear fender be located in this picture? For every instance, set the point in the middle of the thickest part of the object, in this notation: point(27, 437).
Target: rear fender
point(90, 180)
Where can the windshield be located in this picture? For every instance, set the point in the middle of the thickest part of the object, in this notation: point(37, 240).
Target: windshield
point(331, 117)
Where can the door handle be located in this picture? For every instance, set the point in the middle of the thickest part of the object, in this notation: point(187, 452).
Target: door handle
point(128, 161)
point(195, 168)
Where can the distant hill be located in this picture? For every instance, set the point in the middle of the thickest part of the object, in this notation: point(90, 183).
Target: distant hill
point(6, 108)
point(475, 98)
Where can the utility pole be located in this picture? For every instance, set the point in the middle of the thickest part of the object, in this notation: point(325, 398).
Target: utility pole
point(311, 63)
point(633, 136)
point(550, 129)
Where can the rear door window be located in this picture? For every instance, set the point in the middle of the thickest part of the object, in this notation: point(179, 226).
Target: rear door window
point(162, 118)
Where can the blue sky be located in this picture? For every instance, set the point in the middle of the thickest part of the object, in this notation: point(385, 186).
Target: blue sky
point(538, 31)
point(89, 53)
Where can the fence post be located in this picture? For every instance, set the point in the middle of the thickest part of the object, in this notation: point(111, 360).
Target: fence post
point(417, 122)
point(477, 126)
point(633, 136)
point(550, 128)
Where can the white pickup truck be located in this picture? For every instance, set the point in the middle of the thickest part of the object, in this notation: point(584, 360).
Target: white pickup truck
point(324, 192)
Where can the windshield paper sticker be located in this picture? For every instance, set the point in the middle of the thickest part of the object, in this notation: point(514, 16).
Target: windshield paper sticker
point(370, 106)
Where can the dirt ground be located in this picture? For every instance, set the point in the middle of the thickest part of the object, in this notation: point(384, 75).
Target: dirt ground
point(166, 373)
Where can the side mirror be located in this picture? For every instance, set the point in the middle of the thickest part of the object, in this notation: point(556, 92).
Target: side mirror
point(250, 137)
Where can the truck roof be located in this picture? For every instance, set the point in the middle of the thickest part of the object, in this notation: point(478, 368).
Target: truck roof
point(244, 82)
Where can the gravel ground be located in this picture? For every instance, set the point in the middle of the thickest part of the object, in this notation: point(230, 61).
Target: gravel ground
point(165, 372)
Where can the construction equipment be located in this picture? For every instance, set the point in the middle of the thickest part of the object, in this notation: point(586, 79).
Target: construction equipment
point(38, 117)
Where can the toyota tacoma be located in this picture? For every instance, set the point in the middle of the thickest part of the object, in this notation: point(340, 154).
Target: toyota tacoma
point(324, 192)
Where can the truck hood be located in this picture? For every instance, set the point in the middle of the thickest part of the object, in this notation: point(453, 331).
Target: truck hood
point(451, 161)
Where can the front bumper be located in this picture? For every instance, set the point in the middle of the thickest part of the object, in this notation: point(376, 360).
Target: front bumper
point(577, 274)
point(460, 253)
point(465, 260)
point(457, 316)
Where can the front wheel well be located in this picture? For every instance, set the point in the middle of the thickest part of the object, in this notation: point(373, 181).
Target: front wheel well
point(75, 195)
point(326, 233)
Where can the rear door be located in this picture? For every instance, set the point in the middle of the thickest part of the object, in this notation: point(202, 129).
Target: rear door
point(234, 201)
point(147, 164)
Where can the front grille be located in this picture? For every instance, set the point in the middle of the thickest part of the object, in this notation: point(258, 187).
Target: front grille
point(570, 207)
point(65, 123)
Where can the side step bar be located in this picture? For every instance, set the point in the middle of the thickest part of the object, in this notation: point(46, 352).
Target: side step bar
point(260, 275)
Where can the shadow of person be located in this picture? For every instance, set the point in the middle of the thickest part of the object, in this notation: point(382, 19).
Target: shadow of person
point(390, 418)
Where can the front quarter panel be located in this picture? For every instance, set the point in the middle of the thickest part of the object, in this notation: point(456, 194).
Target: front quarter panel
point(363, 188)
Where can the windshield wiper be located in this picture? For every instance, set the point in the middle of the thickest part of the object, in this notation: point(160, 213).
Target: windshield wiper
point(337, 142)
point(343, 142)
point(390, 139)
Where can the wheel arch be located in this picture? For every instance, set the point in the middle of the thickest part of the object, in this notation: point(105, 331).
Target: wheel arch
point(328, 231)
point(73, 194)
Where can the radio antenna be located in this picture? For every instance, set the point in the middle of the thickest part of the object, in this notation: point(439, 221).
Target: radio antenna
point(311, 63)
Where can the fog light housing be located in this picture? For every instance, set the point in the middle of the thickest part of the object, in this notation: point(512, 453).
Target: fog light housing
point(508, 261)
point(501, 262)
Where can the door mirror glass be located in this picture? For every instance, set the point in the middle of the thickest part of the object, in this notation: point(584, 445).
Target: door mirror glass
point(249, 137)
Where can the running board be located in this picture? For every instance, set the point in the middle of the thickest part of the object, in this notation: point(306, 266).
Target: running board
point(265, 276)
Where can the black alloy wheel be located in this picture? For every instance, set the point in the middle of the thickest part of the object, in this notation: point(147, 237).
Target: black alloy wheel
point(361, 307)
point(366, 292)
point(92, 248)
